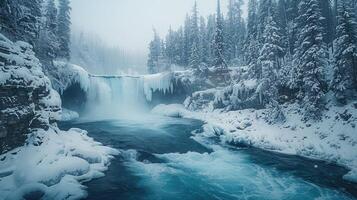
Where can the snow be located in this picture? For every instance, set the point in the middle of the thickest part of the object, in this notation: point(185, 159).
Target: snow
point(162, 82)
point(333, 139)
point(23, 69)
point(53, 165)
point(67, 74)
point(68, 115)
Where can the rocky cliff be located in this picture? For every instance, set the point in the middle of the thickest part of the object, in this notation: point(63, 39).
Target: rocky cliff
point(27, 100)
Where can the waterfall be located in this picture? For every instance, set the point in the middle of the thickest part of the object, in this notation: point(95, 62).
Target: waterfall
point(116, 96)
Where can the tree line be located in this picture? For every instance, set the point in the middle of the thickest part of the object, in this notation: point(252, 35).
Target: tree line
point(42, 23)
point(301, 49)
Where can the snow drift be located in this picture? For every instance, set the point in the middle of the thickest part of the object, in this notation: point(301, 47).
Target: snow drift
point(53, 165)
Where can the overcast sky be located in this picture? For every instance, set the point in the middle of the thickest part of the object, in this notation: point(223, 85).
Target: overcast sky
point(129, 23)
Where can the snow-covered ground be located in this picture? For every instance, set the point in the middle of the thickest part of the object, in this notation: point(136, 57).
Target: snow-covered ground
point(333, 139)
point(53, 165)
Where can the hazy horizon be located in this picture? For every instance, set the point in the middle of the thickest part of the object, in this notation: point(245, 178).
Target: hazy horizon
point(129, 24)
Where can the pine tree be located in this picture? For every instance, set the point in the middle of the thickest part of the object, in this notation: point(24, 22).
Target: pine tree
point(154, 54)
point(162, 64)
point(218, 40)
point(252, 45)
point(8, 18)
point(203, 42)
point(29, 21)
point(345, 55)
point(268, 60)
point(265, 7)
point(20, 20)
point(310, 59)
point(211, 29)
point(63, 29)
point(235, 30)
point(170, 46)
point(187, 38)
point(327, 22)
point(49, 45)
point(194, 58)
point(292, 30)
point(179, 47)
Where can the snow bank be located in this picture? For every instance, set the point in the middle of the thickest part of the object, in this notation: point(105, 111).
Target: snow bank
point(53, 165)
point(68, 115)
point(334, 139)
point(162, 82)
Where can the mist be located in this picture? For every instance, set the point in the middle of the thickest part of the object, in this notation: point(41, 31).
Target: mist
point(129, 24)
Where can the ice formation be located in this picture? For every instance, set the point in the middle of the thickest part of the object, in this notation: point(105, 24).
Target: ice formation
point(162, 82)
point(66, 74)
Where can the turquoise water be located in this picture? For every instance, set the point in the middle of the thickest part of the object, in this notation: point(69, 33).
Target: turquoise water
point(162, 159)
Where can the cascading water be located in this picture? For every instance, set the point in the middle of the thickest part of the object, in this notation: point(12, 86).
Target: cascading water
point(117, 96)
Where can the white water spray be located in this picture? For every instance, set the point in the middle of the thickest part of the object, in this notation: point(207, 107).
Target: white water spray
point(118, 96)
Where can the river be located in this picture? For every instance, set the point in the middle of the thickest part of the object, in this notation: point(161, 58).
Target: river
point(167, 158)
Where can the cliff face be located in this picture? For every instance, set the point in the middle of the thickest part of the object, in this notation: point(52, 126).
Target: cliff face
point(27, 100)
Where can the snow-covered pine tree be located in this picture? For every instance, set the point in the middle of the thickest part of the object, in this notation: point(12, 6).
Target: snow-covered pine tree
point(263, 14)
point(282, 21)
point(310, 60)
point(154, 53)
point(179, 47)
point(345, 54)
point(170, 46)
point(268, 60)
point(194, 58)
point(29, 21)
point(63, 29)
point(20, 20)
point(203, 42)
point(49, 44)
point(163, 63)
point(251, 48)
point(8, 14)
point(235, 30)
point(219, 62)
point(327, 22)
point(211, 28)
point(187, 38)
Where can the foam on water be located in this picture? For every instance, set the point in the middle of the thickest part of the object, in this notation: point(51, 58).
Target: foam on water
point(222, 174)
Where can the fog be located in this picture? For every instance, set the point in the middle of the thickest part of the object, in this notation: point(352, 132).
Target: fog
point(129, 23)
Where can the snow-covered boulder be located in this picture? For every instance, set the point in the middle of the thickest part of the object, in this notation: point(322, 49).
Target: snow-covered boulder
point(53, 165)
point(27, 100)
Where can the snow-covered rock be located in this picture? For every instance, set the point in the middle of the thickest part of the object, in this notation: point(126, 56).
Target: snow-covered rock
point(27, 100)
point(50, 164)
point(53, 165)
